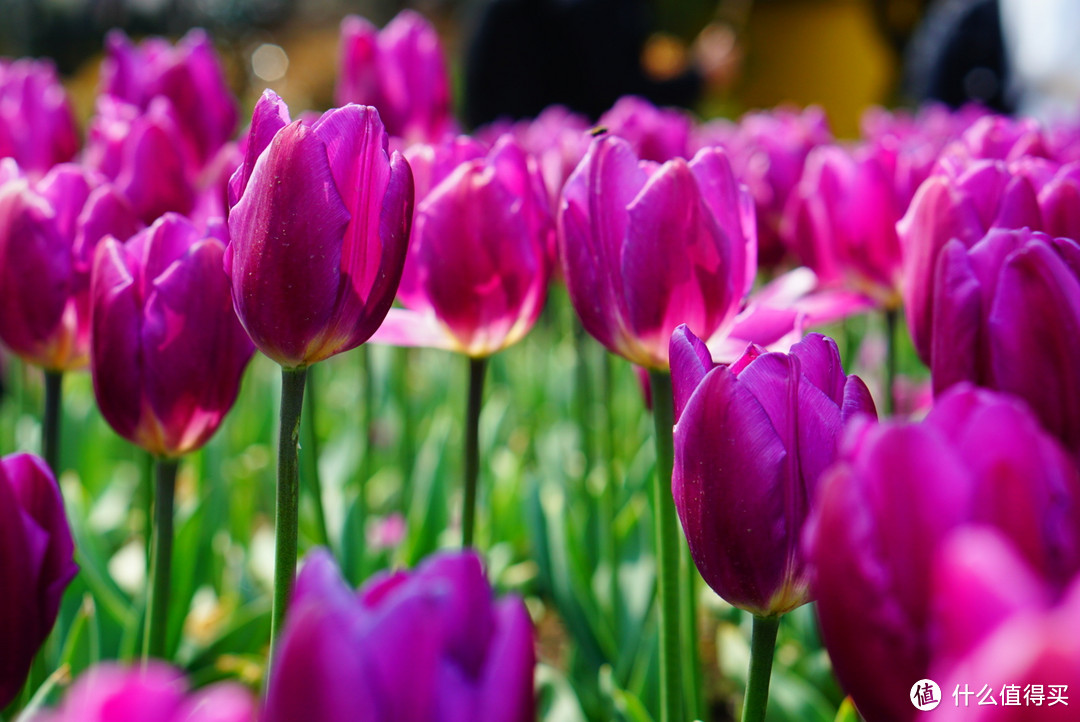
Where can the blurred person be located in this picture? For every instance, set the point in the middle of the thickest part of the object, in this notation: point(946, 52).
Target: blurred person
point(585, 54)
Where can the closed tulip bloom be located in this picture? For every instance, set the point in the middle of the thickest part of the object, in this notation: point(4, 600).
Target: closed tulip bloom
point(645, 248)
point(895, 495)
point(154, 691)
point(1007, 316)
point(189, 74)
point(168, 352)
point(751, 441)
point(319, 230)
point(37, 125)
point(36, 560)
point(841, 221)
point(1002, 624)
point(401, 71)
point(145, 154)
point(479, 260)
point(656, 134)
point(416, 646)
point(48, 232)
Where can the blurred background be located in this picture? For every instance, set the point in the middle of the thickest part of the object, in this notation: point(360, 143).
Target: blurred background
point(841, 54)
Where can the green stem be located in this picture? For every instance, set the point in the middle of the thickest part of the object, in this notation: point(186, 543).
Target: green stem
point(583, 392)
point(477, 366)
point(311, 459)
point(610, 498)
point(288, 492)
point(692, 682)
point(161, 545)
point(50, 431)
point(762, 647)
point(891, 318)
point(667, 550)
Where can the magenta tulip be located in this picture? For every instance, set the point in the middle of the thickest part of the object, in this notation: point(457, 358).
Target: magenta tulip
point(37, 125)
point(886, 507)
point(189, 74)
point(841, 221)
point(751, 441)
point(167, 350)
point(36, 561)
point(155, 692)
point(477, 272)
point(48, 232)
point(401, 71)
point(319, 231)
point(645, 248)
point(656, 134)
point(408, 646)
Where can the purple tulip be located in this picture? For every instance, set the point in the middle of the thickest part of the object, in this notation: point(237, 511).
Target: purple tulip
point(1007, 316)
point(189, 74)
point(897, 491)
point(645, 248)
point(154, 692)
point(319, 226)
point(401, 71)
point(841, 221)
point(37, 125)
point(36, 559)
point(145, 154)
point(963, 201)
point(479, 260)
point(656, 134)
point(167, 350)
point(48, 232)
point(768, 151)
point(408, 647)
point(751, 441)
point(1000, 629)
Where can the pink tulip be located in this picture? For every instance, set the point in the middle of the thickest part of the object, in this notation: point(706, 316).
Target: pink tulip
point(37, 125)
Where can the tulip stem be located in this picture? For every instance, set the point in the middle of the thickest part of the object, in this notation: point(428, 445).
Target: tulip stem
point(161, 545)
point(477, 366)
point(692, 682)
point(891, 318)
point(666, 528)
point(288, 498)
point(311, 460)
point(611, 485)
point(762, 647)
point(50, 425)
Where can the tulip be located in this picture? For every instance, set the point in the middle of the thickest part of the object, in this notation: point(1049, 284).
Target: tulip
point(962, 201)
point(36, 559)
point(319, 229)
point(885, 508)
point(167, 355)
point(751, 441)
point(768, 150)
point(168, 352)
point(841, 221)
point(1002, 632)
point(408, 646)
point(155, 691)
point(401, 71)
point(645, 248)
point(189, 74)
point(48, 232)
point(37, 125)
point(656, 134)
point(1007, 316)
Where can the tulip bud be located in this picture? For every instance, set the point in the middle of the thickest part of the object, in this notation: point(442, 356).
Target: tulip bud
point(408, 646)
point(48, 232)
point(655, 134)
point(37, 563)
point(646, 247)
point(37, 125)
point(319, 226)
point(751, 441)
point(897, 491)
point(167, 350)
point(153, 691)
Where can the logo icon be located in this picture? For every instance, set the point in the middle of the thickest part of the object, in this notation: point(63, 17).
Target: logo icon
point(925, 695)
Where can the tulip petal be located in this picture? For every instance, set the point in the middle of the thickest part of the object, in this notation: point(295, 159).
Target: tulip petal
point(690, 361)
point(956, 340)
point(506, 695)
point(268, 117)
